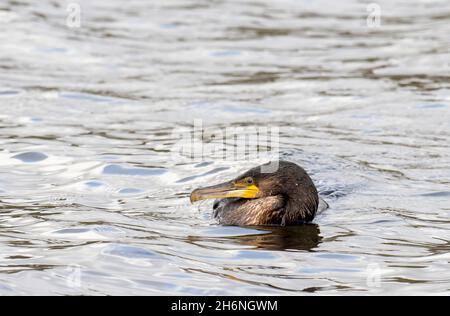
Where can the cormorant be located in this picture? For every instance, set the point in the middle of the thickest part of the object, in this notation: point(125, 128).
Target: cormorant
point(287, 196)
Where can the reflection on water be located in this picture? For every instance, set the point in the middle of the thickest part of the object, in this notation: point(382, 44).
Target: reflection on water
point(304, 237)
point(93, 201)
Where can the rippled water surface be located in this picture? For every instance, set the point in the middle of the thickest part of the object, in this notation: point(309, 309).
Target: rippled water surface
point(93, 200)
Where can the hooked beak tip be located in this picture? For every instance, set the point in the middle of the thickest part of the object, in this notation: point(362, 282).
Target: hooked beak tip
point(194, 197)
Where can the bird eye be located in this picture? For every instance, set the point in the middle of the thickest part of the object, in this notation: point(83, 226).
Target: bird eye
point(248, 180)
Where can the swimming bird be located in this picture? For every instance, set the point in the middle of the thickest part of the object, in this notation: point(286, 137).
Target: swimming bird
point(284, 196)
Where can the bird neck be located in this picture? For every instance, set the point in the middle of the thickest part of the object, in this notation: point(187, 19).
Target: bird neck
point(301, 206)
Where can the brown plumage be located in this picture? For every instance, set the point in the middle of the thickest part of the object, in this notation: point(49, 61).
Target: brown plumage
point(284, 197)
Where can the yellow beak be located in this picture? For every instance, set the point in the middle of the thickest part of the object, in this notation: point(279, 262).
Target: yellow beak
point(225, 190)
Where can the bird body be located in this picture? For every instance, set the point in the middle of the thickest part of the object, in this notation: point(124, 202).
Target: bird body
point(287, 196)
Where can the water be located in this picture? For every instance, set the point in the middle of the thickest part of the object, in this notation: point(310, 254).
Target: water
point(93, 201)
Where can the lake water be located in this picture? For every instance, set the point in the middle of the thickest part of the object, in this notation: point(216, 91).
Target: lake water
point(94, 201)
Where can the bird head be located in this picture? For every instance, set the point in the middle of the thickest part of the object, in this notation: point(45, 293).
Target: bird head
point(254, 183)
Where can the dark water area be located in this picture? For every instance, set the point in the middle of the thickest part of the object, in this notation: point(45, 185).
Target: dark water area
point(94, 201)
